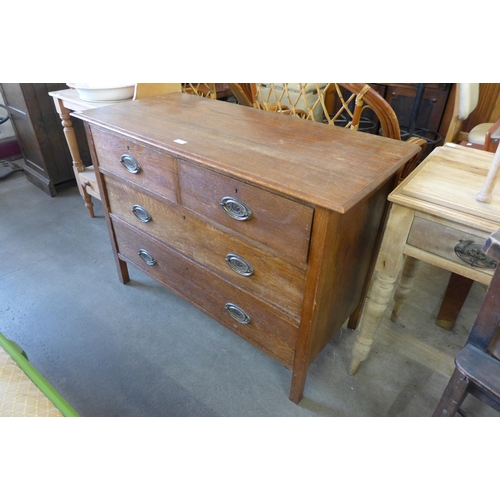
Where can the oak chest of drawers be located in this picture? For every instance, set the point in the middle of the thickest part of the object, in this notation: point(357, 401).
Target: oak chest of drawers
point(265, 222)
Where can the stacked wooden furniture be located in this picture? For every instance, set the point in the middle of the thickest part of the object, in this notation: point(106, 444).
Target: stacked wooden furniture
point(265, 222)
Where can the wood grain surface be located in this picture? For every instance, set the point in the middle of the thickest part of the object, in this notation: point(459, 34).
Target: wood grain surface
point(329, 167)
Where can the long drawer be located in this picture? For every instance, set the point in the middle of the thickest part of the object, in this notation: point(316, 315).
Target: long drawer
point(260, 215)
point(256, 321)
point(136, 163)
point(271, 278)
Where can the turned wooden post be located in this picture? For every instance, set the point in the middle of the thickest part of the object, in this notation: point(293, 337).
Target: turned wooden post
point(387, 268)
point(69, 133)
point(485, 195)
point(404, 286)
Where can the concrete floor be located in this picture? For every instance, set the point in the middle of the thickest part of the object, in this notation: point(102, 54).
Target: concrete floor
point(139, 350)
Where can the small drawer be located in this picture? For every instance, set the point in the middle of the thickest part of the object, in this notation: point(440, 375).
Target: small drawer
point(260, 215)
point(266, 276)
point(450, 243)
point(138, 164)
point(252, 319)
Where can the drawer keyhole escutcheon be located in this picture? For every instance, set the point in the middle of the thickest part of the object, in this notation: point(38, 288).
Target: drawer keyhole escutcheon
point(130, 163)
point(237, 313)
point(141, 213)
point(239, 265)
point(473, 254)
point(147, 257)
point(235, 208)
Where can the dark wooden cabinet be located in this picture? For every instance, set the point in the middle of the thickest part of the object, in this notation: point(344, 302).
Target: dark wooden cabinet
point(39, 133)
point(427, 122)
point(401, 97)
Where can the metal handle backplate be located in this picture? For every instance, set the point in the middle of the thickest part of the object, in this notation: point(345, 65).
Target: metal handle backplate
point(147, 257)
point(235, 208)
point(237, 313)
point(239, 264)
point(473, 254)
point(141, 213)
point(130, 163)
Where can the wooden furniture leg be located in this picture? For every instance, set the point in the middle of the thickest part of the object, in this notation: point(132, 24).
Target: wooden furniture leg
point(386, 272)
point(453, 300)
point(78, 167)
point(453, 395)
point(376, 304)
point(404, 286)
point(88, 199)
point(69, 133)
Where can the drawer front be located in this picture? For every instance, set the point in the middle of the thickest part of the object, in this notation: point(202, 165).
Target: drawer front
point(276, 222)
point(141, 165)
point(442, 240)
point(266, 328)
point(272, 279)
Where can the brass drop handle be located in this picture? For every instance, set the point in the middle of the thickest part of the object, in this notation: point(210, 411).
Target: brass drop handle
point(239, 265)
point(237, 313)
point(147, 257)
point(130, 163)
point(235, 208)
point(141, 213)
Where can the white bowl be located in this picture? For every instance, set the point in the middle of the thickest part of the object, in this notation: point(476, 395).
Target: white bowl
point(93, 92)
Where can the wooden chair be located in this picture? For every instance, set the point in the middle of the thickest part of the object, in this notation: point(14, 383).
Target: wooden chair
point(484, 135)
point(477, 369)
point(295, 99)
point(331, 103)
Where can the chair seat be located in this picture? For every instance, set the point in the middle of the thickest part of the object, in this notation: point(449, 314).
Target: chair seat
point(478, 133)
point(480, 368)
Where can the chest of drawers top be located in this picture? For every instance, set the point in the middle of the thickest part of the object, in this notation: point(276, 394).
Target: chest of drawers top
point(323, 166)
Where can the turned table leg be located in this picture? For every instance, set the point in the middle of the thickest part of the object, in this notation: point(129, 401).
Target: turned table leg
point(386, 272)
point(404, 286)
point(88, 199)
point(69, 134)
point(376, 304)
